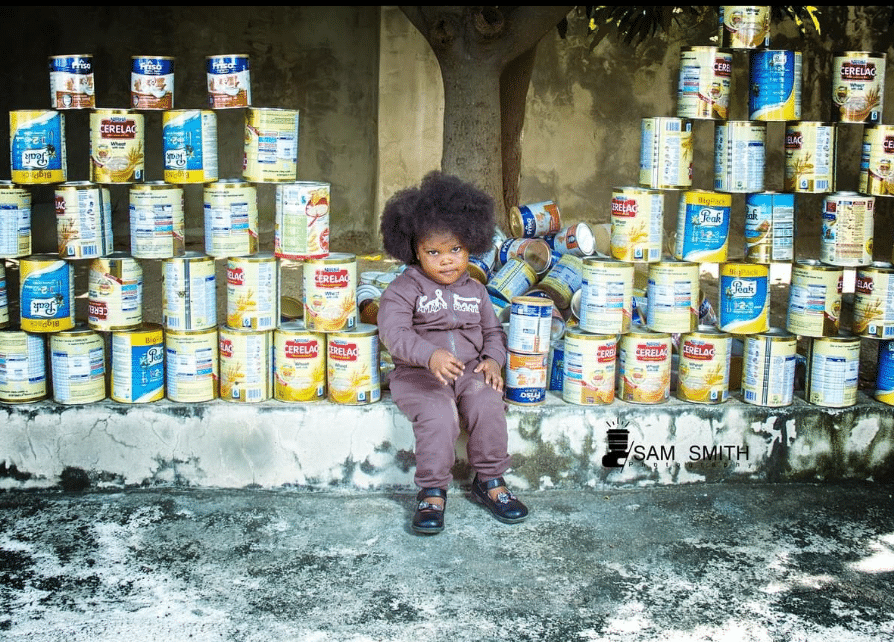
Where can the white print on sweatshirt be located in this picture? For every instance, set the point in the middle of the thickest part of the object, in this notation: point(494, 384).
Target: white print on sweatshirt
point(460, 303)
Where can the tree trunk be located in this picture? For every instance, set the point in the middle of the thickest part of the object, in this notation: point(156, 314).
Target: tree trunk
point(514, 85)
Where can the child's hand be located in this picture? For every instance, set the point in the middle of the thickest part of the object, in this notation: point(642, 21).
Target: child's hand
point(493, 375)
point(445, 366)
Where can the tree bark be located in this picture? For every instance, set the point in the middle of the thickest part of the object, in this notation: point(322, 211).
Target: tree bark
point(514, 84)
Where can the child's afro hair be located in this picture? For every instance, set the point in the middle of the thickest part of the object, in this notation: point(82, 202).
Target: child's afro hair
point(441, 203)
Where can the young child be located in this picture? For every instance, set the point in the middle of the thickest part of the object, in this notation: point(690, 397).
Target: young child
point(447, 345)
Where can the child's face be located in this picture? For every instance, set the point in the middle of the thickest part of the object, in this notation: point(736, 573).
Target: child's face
point(442, 257)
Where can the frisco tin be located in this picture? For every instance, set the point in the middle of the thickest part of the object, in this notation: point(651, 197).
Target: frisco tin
point(152, 82)
point(535, 219)
point(229, 81)
point(71, 82)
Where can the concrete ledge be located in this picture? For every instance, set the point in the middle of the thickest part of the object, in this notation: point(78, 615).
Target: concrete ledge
point(321, 445)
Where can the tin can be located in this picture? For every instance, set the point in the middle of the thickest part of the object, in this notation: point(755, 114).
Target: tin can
point(37, 147)
point(368, 303)
point(189, 300)
point(769, 227)
point(704, 87)
point(191, 365)
point(513, 279)
point(814, 308)
point(83, 220)
point(810, 157)
point(301, 229)
point(23, 369)
point(555, 366)
point(536, 252)
point(848, 228)
point(270, 152)
point(15, 221)
point(774, 85)
point(703, 227)
point(530, 325)
point(116, 146)
point(833, 365)
point(253, 292)
point(563, 280)
point(231, 218)
point(4, 298)
point(71, 82)
point(352, 366)
point(637, 230)
point(46, 294)
point(299, 363)
point(229, 81)
point(673, 295)
point(877, 161)
point(768, 368)
point(115, 293)
point(745, 27)
point(739, 156)
point(874, 301)
point(744, 298)
point(478, 270)
point(858, 86)
point(703, 372)
point(535, 220)
point(156, 221)
point(246, 364)
point(884, 384)
point(78, 364)
point(138, 364)
point(588, 376)
point(152, 82)
point(577, 239)
point(330, 293)
point(644, 366)
point(606, 296)
point(666, 153)
point(190, 146)
point(525, 379)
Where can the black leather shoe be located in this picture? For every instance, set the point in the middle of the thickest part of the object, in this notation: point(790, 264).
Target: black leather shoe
point(506, 508)
point(429, 518)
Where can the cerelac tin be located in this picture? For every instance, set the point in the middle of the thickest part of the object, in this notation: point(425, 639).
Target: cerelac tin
point(299, 363)
point(588, 376)
point(46, 293)
point(352, 366)
point(644, 367)
point(330, 287)
point(246, 364)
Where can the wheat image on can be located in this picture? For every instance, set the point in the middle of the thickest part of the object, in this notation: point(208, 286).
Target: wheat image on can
point(253, 292)
point(874, 301)
point(644, 367)
point(637, 229)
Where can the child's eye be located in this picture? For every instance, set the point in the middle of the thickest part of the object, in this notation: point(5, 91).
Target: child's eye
point(432, 252)
point(457, 248)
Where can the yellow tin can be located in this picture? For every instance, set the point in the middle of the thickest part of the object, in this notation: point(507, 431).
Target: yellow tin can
point(858, 86)
point(138, 364)
point(703, 373)
point(644, 366)
point(352, 366)
point(666, 153)
point(271, 145)
point(156, 220)
point(115, 293)
point(15, 221)
point(83, 220)
point(46, 294)
point(246, 364)
point(78, 360)
point(833, 369)
point(330, 293)
point(253, 292)
point(514, 278)
point(37, 147)
point(23, 369)
point(191, 365)
point(874, 301)
point(189, 294)
point(814, 308)
point(231, 218)
point(673, 295)
point(190, 146)
point(810, 157)
point(301, 224)
point(877, 161)
point(637, 225)
point(588, 375)
point(744, 27)
point(117, 146)
point(606, 296)
point(768, 368)
point(299, 363)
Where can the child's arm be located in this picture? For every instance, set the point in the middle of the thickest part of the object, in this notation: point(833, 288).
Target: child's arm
point(395, 321)
point(494, 337)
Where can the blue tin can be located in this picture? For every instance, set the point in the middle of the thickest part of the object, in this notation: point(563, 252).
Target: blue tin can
point(775, 85)
point(884, 385)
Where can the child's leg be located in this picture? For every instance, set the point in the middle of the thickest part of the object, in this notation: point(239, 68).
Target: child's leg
point(485, 414)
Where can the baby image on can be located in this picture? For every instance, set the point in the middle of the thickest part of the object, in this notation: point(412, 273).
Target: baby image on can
point(703, 374)
point(858, 86)
point(115, 293)
point(525, 378)
point(704, 87)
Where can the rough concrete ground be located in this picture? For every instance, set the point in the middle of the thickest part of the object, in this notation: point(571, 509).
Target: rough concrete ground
point(700, 562)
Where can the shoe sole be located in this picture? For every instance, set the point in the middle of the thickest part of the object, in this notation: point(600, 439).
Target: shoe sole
point(505, 520)
point(426, 531)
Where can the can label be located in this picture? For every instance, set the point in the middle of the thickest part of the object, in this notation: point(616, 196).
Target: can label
point(231, 219)
point(884, 385)
point(745, 27)
point(744, 298)
point(858, 86)
point(37, 147)
point(301, 226)
point(271, 145)
point(530, 325)
point(606, 296)
point(115, 294)
point(704, 87)
point(299, 363)
point(138, 365)
point(644, 367)
point(535, 252)
point(253, 292)
point(535, 220)
point(555, 366)
point(563, 280)
point(189, 299)
point(4, 298)
point(330, 299)
point(810, 157)
point(513, 279)
point(83, 220)
point(775, 86)
point(352, 366)
point(848, 229)
point(874, 302)
point(190, 146)
point(246, 365)
point(637, 224)
point(23, 370)
point(525, 378)
point(877, 161)
point(71, 82)
point(833, 366)
point(46, 294)
point(78, 366)
point(666, 153)
point(116, 146)
point(152, 82)
point(229, 81)
point(814, 308)
point(703, 374)
point(15, 221)
point(703, 227)
point(588, 376)
point(191, 365)
point(673, 295)
point(156, 221)
point(769, 227)
point(768, 369)
point(578, 240)
point(739, 156)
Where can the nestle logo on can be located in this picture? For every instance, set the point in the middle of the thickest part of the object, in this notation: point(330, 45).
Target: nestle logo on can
point(343, 351)
point(698, 350)
point(624, 207)
point(864, 71)
point(739, 288)
point(295, 349)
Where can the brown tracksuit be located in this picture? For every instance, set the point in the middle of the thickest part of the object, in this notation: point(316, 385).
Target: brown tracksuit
point(416, 317)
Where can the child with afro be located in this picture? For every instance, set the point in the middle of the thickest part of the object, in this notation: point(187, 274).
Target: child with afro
point(447, 345)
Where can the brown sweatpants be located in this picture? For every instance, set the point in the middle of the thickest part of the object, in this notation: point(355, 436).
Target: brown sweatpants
point(435, 411)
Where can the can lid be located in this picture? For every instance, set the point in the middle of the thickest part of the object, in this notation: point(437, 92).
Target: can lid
point(586, 240)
